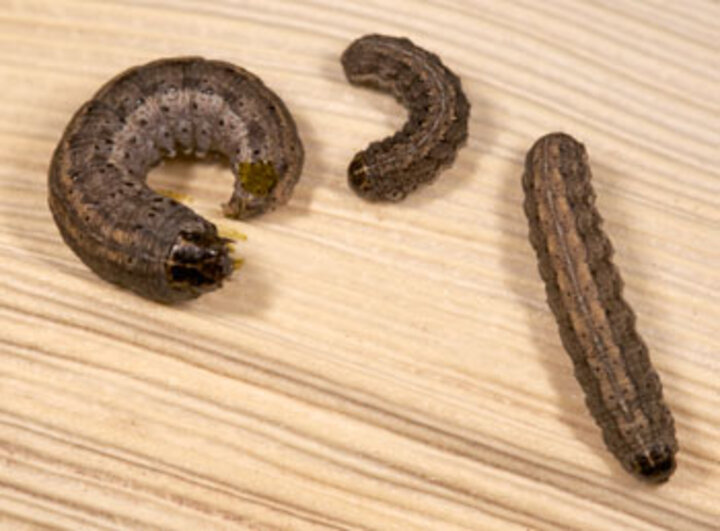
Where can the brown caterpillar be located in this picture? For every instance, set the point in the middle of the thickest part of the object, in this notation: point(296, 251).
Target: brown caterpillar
point(597, 327)
point(437, 126)
point(122, 229)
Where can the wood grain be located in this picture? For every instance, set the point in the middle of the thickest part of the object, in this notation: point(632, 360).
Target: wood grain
point(371, 366)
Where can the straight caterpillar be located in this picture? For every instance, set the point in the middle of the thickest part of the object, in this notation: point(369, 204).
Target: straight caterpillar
point(597, 327)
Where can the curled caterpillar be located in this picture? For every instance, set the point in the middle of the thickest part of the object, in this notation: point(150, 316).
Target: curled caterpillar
point(388, 170)
point(597, 327)
point(123, 230)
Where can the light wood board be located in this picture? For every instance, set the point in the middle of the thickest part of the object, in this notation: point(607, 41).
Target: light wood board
point(370, 366)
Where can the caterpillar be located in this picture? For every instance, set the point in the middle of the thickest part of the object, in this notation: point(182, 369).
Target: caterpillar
point(597, 327)
point(437, 126)
point(123, 230)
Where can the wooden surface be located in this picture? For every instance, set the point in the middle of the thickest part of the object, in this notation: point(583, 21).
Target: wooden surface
point(374, 367)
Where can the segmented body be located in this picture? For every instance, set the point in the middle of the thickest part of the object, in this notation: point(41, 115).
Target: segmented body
point(388, 170)
point(597, 326)
point(122, 229)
